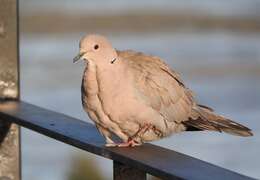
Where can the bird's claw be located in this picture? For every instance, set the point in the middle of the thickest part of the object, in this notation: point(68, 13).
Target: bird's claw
point(129, 143)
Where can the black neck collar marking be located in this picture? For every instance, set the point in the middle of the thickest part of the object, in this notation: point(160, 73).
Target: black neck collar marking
point(112, 62)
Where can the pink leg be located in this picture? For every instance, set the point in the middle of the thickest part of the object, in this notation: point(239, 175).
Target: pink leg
point(143, 130)
point(131, 141)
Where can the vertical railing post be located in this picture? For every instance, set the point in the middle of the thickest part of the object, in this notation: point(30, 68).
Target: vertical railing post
point(125, 172)
point(9, 89)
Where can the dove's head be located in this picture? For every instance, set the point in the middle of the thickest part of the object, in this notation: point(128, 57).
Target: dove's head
point(96, 48)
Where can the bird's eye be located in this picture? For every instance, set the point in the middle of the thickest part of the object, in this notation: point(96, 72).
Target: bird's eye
point(96, 47)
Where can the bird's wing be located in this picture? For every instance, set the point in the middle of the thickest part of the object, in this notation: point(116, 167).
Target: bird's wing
point(159, 86)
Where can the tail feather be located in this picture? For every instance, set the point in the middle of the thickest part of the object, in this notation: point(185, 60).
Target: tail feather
point(205, 119)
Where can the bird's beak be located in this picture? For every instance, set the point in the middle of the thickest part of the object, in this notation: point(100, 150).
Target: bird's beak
point(78, 57)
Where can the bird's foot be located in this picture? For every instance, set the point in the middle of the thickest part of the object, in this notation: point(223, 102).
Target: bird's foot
point(129, 143)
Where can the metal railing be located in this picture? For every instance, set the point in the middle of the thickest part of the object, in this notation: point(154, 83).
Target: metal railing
point(128, 163)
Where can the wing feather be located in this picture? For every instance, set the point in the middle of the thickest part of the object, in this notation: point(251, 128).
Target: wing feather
point(159, 86)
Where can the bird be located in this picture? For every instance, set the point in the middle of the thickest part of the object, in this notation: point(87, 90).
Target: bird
point(139, 98)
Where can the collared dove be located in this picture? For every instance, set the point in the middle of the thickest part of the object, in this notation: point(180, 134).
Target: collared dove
point(139, 98)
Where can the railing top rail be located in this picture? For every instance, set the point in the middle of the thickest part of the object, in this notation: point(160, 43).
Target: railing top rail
point(152, 159)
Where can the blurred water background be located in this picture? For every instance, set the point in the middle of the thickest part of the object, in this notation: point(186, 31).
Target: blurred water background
point(214, 45)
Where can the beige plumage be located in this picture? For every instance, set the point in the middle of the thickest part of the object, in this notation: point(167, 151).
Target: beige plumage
point(139, 98)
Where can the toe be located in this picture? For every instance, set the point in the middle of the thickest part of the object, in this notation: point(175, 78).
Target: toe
point(111, 145)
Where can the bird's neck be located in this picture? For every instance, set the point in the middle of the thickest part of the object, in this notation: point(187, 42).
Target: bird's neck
point(110, 76)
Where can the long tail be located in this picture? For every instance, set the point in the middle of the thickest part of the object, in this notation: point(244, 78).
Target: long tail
point(203, 118)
